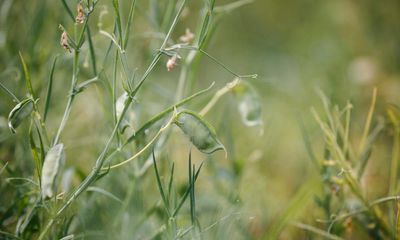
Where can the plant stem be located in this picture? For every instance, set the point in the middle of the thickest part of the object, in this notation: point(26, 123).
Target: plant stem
point(145, 147)
point(228, 87)
point(71, 97)
point(92, 175)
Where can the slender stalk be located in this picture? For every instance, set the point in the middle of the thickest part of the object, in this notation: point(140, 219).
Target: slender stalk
point(317, 231)
point(92, 175)
point(368, 122)
point(71, 97)
point(9, 93)
point(228, 87)
point(144, 148)
point(162, 114)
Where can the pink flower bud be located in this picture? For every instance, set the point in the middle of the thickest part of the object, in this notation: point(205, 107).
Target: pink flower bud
point(188, 37)
point(172, 62)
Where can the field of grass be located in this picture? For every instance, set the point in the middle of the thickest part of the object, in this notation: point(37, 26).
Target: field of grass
point(199, 119)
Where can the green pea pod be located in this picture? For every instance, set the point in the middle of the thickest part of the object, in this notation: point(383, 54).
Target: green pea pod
point(21, 111)
point(51, 167)
point(249, 104)
point(200, 133)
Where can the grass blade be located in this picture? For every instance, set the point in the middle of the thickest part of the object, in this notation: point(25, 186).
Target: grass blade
point(91, 51)
point(35, 154)
point(27, 76)
point(49, 90)
point(9, 93)
point(128, 24)
point(170, 182)
point(118, 20)
point(183, 199)
point(317, 231)
point(368, 121)
point(160, 187)
point(70, 14)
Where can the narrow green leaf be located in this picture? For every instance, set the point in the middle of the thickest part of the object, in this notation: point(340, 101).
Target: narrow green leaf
point(170, 182)
point(49, 89)
point(200, 133)
point(118, 20)
point(9, 92)
point(176, 211)
point(160, 187)
point(128, 25)
point(70, 14)
point(35, 153)
point(91, 51)
point(168, 14)
point(192, 173)
point(209, 8)
point(51, 167)
point(249, 104)
point(27, 75)
point(21, 111)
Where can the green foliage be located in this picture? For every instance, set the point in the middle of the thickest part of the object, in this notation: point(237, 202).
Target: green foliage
point(97, 92)
point(43, 207)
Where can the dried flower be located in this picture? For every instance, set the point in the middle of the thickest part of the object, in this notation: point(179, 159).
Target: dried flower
point(64, 41)
point(172, 62)
point(80, 18)
point(188, 37)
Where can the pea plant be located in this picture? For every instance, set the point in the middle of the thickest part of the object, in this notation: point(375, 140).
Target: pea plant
point(46, 209)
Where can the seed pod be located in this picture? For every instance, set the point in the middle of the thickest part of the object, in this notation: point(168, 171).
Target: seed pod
point(249, 104)
point(22, 110)
point(52, 164)
point(200, 133)
point(80, 17)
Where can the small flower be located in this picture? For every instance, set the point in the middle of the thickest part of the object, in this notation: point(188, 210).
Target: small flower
point(80, 18)
point(172, 62)
point(64, 41)
point(188, 37)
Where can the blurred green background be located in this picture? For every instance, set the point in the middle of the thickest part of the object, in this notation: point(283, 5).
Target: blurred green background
point(342, 47)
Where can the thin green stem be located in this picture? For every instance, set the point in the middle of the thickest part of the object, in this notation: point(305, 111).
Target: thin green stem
point(71, 98)
point(227, 88)
point(9, 93)
point(162, 114)
point(90, 178)
point(145, 147)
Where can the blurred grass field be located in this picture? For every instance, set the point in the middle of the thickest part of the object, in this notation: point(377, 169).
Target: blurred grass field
point(268, 187)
